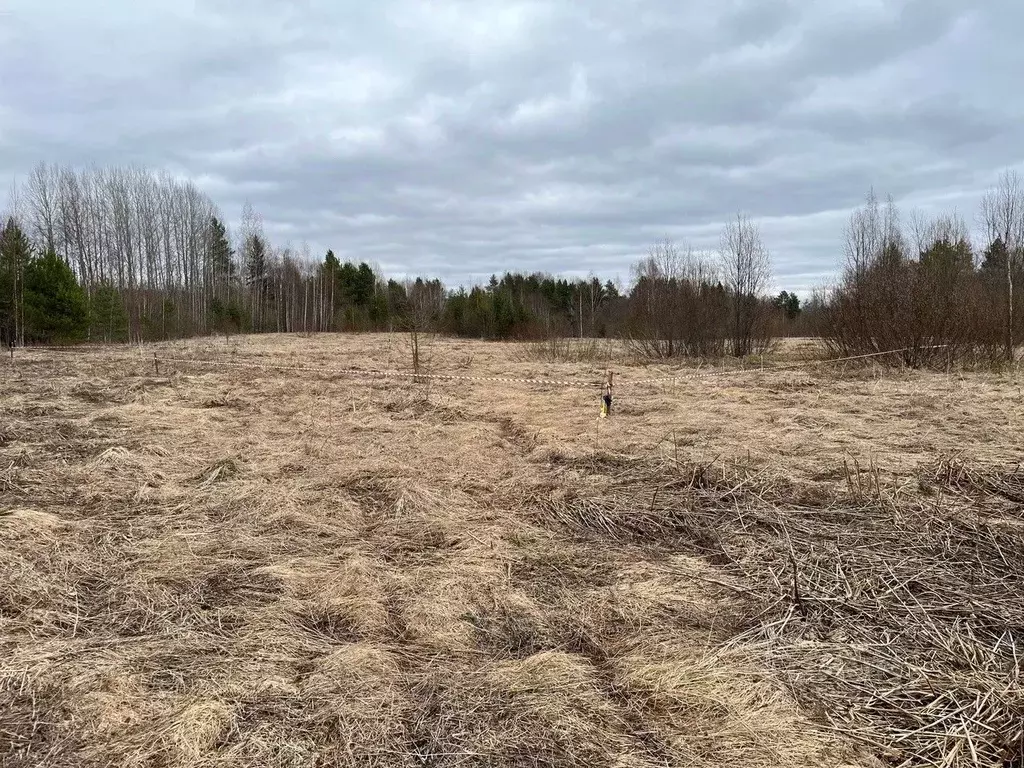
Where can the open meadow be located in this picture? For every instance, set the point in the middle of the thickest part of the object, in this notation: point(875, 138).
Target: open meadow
point(232, 565)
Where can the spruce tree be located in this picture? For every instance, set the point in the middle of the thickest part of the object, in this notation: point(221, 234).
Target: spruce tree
point(55, 305)
point(258, 277)
point(15, 252)
point(994, 257)
point(219, 252)
point(108, 320)
point(257, 266)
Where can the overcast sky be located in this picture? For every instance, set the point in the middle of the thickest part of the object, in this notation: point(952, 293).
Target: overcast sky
point(465, 137)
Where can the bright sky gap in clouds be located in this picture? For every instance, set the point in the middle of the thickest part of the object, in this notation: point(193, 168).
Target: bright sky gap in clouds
point(463, 137)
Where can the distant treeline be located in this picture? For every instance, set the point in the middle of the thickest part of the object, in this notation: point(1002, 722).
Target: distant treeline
point(123, 254)
point(128, 255)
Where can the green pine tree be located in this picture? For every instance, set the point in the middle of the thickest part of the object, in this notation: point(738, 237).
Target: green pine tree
point(789, 303)
point(221, 262)
point(15, 252)
point(225, 316)
point(993, 264)
point(233, 316)
point(108, 320)
point(256, 266)
point(56, 309)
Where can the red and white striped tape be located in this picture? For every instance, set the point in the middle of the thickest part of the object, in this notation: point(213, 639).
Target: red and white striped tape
point(376, 373)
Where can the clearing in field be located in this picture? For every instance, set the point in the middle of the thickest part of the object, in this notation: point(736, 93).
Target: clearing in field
point(237, 566)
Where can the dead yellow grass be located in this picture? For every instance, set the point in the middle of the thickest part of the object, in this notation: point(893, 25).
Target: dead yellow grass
point(227, 566)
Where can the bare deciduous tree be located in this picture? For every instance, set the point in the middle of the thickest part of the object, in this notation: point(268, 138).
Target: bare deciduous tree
point(678, 304)
point(746, 271)
point(1002, 215)
point(928, 302)
point(655, 333)
point(423, 307)
point(926, 231)
point(41, 194)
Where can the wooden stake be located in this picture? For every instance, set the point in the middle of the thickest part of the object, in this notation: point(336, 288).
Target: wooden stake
point(156, 364)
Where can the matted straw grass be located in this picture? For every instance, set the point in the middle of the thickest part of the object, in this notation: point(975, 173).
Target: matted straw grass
point(238, 567)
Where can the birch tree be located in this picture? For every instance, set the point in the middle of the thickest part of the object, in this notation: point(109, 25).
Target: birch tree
point(746, 271)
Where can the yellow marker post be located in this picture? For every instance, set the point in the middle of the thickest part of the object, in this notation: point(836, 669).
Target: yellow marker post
point(606, 396)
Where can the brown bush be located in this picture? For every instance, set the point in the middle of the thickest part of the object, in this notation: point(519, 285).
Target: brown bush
point(930, 301)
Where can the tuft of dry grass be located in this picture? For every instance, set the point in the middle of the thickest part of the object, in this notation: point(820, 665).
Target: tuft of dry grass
point(258, 567)
point(558, 349)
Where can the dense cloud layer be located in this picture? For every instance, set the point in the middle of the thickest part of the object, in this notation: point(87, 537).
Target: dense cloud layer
point(464, 137)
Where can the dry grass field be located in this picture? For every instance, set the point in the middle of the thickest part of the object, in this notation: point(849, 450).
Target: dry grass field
point(239, 566)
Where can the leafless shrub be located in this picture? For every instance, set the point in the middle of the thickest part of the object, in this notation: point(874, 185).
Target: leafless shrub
point(420, 313)
point(685, 305)
point(927, 298)
point(678, 305)
point(561, 349)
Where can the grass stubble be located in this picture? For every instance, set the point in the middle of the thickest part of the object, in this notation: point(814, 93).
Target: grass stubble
point(227, 566)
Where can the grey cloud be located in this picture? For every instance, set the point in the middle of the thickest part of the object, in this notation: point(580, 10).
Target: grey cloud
point(494, 135)
point(754, 22)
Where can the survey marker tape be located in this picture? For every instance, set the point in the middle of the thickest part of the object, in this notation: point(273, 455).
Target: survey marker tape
point(384, 374)
point(359, 372)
